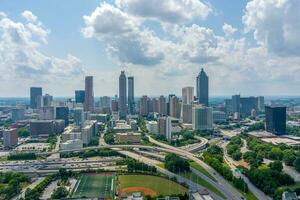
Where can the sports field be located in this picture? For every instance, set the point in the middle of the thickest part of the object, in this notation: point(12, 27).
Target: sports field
point(95, 185)
point(149, 185)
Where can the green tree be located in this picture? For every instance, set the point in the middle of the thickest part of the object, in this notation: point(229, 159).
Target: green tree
point(289, 157)
point(297, 164)
point(276, 165)
point(174, 163)
point(60, 192)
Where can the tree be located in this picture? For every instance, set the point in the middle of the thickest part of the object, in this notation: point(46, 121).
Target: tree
point(214, 149)
point(174, 163)
point(60, 192)
point(23, 132)
point(276, 165)
point(275, 154)
point(296, 164)
point(288, 157)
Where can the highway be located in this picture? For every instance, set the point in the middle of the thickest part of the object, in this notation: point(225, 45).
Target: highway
point(229, 191)
point(197, 146)
point(156, 163)
point(257, 192)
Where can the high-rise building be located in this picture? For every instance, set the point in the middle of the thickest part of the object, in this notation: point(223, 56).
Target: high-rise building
point(79, 96)
point(228, 106)
point(17, 114)
point(10, 137)
point(122, 96)
point(47, 113)
point(78, 116)
point(276, 119)
point(187, 95)
point(187, 110)
point(144, 106)
point(202, 118)
point(236, 103)
point(175, 107)
point(202, 88)
point(168, 103)
point(131, 103)
point(104, 102)
point(162, 106)
point(35, 92)
point(63, 113)
point(155, 104)
point(114, 105)
point(260, 103)
point(164, 126)
point(89, 94)
point(47, 100)
point(247, 105)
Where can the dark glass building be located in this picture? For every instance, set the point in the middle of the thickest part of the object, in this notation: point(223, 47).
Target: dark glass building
point(276, 119)
point(131, 104)
point(63, 113)
point(79, 96)
point(202, 88)
point(122, 96)
point(35, 94)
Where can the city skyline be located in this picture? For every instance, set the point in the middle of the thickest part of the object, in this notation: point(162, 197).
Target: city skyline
point(233, 44)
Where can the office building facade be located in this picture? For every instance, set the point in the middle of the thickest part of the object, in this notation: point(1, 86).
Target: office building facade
point(63, 113)
point(89, 94)
point(276, 119)
point(131, 103)
point(202, 88)
point(202, 118)
point(35, 93)
point(122, 96)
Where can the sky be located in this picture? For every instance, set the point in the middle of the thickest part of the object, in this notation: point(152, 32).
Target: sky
point(251, 47)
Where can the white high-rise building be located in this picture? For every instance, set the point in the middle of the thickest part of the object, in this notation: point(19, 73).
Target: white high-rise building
point(187, 95)
point(202, 118)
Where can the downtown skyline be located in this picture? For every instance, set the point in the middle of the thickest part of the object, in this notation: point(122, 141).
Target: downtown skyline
point(163, 53)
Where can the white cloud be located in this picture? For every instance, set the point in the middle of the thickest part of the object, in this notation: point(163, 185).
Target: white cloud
point(125, 39)
point(29, 16)
point(276, 25)
point(21, 61)
point(170, 11)
point(228, 29)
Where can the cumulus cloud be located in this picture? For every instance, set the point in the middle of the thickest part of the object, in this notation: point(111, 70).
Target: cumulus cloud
point(21, 59)
point(170, 11)
point(275, 24)
point(228, 29)
point(125, 39)
point(29, 16)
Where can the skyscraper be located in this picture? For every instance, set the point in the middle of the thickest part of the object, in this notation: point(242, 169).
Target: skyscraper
point(89, 94)
point(187, 95)
point(79, 96)
point(144, 106)
point(122, 96)
point(131, 104)
point(35, 92)
point(78, 116)
point(47, 100)
point(236, 103)
point(162, 106)
point(63, 113)
point(164, 126)
point(260, 103)
point(276, 119)
point(175, 107)
point(202, 88)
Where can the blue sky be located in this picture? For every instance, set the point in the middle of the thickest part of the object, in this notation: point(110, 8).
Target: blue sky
point(248, 47)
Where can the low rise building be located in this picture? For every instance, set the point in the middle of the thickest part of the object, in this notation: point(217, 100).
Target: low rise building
point(152, 127)
point(71, 144)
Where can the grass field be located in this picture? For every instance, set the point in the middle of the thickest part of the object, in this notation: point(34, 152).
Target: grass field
point(161, 186)
point(95, 185)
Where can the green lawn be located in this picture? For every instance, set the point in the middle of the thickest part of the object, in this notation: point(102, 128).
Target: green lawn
point(201, 170)
point(161, 186)
point(95, 185)
point(196, 179)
